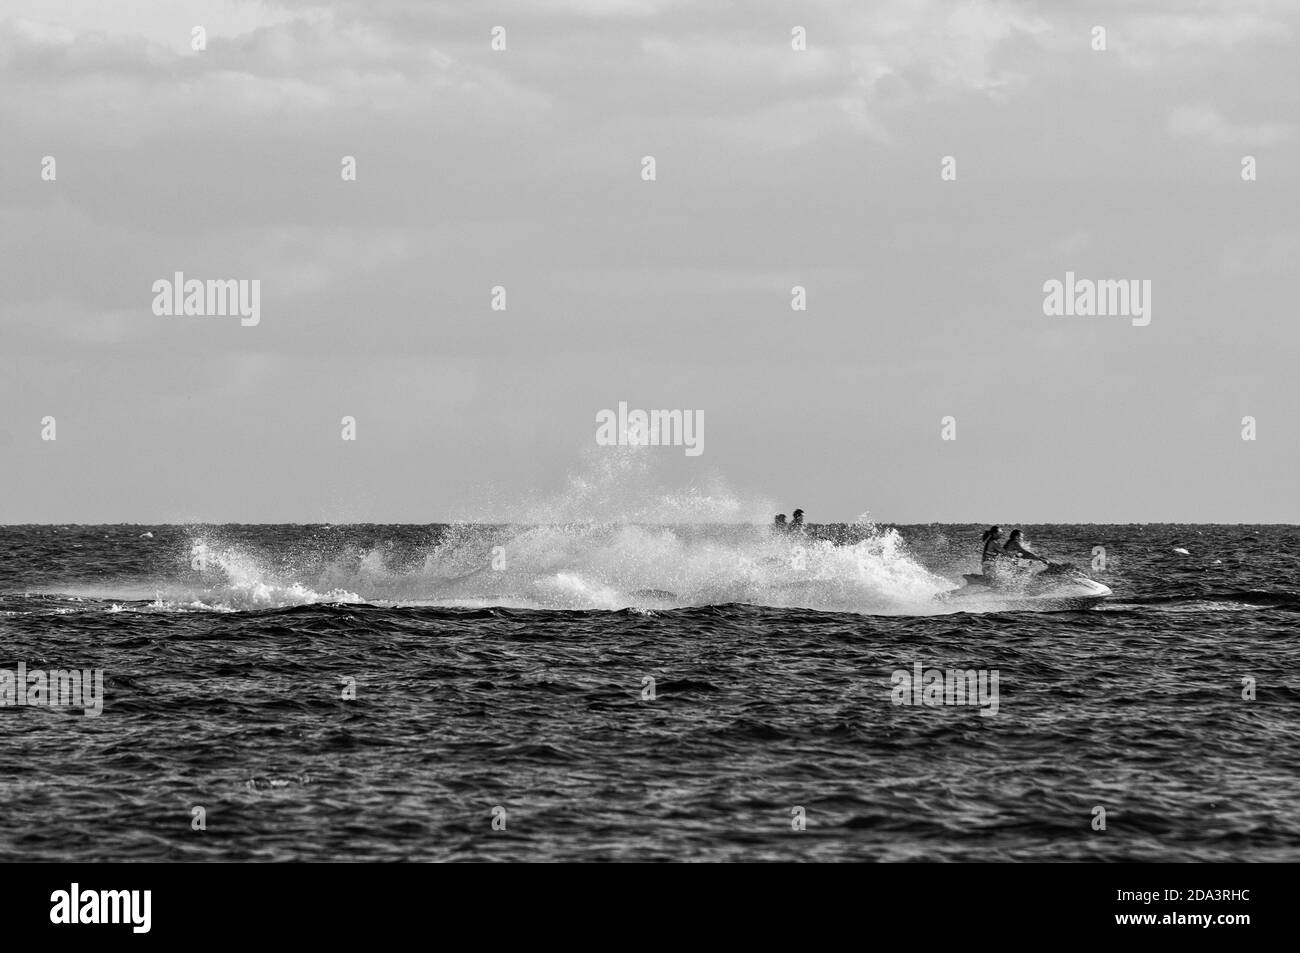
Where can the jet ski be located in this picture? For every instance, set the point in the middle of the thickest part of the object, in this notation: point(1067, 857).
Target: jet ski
point(1060, 586)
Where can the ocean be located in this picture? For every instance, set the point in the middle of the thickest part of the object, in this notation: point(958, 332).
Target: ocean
point(645, 693)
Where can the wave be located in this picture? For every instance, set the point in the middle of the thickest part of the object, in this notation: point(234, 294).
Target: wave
point(572, 566)
point(612, 538)
point(1235, 600)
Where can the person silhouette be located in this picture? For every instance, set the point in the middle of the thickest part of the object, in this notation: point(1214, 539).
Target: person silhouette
point(1017, 550)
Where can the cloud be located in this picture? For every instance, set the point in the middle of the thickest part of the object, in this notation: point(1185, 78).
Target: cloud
point(1203, 122)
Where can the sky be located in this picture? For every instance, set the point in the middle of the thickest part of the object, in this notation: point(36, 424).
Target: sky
point(522, 168)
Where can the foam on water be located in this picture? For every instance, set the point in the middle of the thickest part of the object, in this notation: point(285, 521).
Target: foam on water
point(236, 578)
point(582, 566)
point(613, 538)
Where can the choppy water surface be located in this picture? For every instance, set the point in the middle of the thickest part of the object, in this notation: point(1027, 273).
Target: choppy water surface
point(505, 667)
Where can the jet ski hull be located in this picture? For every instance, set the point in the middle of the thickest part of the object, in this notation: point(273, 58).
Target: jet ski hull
point(1054, 594)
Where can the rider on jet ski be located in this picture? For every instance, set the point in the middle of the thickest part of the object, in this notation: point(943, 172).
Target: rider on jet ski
point(989, 558)
point(1006, 577)
point(993, 560)
point(1014, 549)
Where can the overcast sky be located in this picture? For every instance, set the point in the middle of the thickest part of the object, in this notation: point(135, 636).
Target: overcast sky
point(522, 168)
